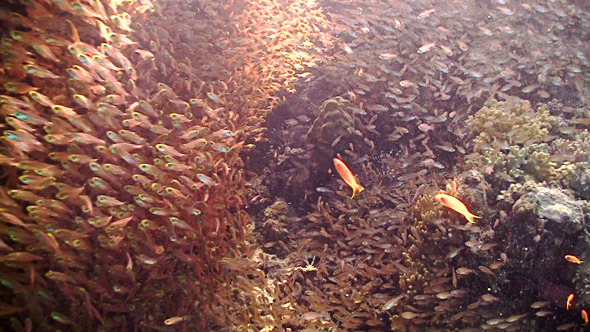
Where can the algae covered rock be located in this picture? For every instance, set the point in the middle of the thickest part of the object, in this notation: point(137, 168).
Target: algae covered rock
point(561, 212)
point(582, 280)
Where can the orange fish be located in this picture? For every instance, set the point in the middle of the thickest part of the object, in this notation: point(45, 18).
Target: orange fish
point(585, 316)
point(573, 259)
point(455, 205)
point(348, 177)
point(570, 298)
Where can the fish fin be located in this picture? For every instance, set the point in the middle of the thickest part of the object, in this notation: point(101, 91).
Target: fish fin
point(470, 217)
point(74, 31)
point(357, 190)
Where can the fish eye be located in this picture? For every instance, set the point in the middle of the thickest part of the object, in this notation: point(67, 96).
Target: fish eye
point(16, 35)
point(12, 136)
point(25, 179)
point(21, 116)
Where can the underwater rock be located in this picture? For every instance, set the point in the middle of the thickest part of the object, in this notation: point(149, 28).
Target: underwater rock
point(582, 282)
point(561, 212)
point(273, 227)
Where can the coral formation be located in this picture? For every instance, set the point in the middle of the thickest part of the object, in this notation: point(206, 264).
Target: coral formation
point(137, 141)
point(334, 125)
point(509, 138)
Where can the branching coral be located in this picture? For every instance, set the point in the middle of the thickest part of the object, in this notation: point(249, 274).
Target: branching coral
point(505, 135)
point(501, 124)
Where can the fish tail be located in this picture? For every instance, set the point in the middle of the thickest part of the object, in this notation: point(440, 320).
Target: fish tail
point(357, 190)
point(470, 217)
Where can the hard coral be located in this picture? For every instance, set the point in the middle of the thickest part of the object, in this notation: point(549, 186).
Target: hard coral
point(500, 124)
point(335, 121)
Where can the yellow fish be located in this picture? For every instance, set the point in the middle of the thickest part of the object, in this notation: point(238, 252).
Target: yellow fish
point(348, 177)
point(455, 205)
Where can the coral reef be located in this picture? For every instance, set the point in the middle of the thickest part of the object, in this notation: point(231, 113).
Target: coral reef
point(138, 139)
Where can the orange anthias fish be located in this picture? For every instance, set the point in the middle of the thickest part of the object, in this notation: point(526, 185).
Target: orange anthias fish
point(570, 298)
point(348, 177)
point(455, 205)
point(585, 316)
point(573, 259)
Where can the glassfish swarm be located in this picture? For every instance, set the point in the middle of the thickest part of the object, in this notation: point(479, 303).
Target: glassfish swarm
point(348, 177)
point(455, 205)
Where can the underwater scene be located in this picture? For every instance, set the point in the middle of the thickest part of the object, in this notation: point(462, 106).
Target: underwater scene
point(294, 165)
